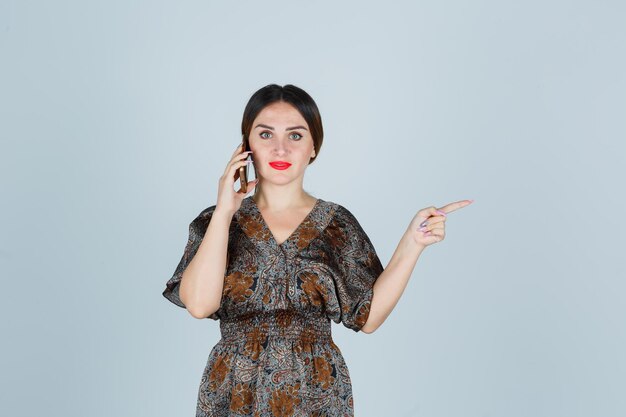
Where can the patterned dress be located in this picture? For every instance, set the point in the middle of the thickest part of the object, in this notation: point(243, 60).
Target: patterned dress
point(276, 356)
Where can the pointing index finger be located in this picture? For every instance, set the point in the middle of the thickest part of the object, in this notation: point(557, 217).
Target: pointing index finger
point(449, 208)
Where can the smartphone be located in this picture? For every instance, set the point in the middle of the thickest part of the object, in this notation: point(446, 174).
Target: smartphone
point(243, 171)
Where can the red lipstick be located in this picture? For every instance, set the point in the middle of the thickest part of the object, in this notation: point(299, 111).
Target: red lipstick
point(280, 165)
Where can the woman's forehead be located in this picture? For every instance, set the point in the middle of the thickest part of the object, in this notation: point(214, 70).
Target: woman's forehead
point(282, 114)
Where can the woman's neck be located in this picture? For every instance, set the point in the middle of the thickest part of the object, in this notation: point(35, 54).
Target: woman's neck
point(280, 198)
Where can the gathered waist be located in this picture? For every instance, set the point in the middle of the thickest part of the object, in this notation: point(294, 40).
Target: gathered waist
point(290, 324)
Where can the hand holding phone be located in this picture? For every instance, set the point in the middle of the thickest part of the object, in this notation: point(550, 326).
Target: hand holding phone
point(227, 198)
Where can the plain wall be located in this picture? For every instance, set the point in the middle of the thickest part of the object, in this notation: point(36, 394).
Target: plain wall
point(117, 119)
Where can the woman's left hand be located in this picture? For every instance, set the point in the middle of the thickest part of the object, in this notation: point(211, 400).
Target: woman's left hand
point(428, 225)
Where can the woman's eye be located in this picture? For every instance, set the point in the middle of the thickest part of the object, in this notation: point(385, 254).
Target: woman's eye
point(294, 135)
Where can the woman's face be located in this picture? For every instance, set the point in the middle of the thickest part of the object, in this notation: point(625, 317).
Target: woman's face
point(280, 136)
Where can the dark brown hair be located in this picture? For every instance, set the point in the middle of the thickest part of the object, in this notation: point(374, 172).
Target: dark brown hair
point(293, 95)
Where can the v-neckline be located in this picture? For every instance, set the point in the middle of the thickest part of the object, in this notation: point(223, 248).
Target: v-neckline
point(293, 233)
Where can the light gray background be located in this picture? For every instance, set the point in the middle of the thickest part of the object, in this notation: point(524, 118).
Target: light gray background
point(117, 119)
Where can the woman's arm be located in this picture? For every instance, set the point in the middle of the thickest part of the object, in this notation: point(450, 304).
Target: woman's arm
point(202, 282)
point(426, 228)
point(392, 281)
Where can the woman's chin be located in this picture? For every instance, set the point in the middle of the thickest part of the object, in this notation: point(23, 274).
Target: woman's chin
point(277, 179)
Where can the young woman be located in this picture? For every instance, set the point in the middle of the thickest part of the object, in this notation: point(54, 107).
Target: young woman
point(277, 266)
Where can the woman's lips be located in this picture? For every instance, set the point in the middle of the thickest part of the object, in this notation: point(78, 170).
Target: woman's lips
point(280, 165)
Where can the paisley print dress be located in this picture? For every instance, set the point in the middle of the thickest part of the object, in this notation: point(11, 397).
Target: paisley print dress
point(276, 356)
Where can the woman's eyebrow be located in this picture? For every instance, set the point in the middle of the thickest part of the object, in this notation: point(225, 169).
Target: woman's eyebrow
point(271, 128)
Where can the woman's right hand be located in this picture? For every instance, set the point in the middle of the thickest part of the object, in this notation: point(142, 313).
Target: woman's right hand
point(228, 199)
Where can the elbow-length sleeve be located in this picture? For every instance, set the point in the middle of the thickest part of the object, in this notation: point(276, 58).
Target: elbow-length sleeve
point(356, 269)
point(197, 229)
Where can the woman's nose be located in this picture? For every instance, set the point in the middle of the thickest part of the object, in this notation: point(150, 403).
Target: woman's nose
point(280, 148)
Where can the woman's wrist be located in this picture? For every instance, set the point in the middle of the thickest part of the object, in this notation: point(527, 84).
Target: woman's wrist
point(223, 213)
point(410, 245)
